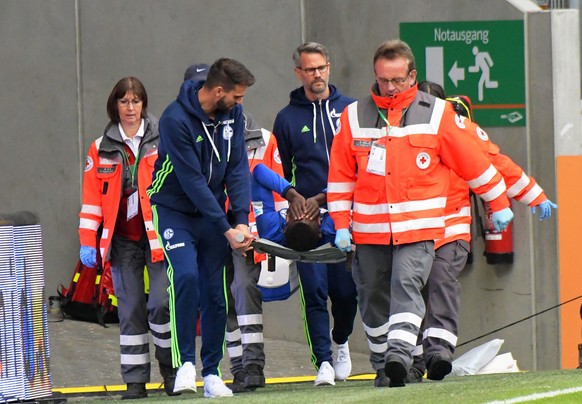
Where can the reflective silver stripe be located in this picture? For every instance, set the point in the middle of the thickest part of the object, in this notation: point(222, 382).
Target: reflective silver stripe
point(400, 207)
point(89, 224)
point(418, 350)
point(378, 348)
point(357, 131)
point(160, 328)
point(412, 206)
point(456, 229)
point(418, 224)
point(430, 128)
point(494, 192)
point(368, 209)
point(235, 352)
point(162, 342)
point(105, 234)
point(154, 244)
point(149, 225)
point(340, 187)
point(259, 153)
point(440, 333)
point(139, 359)
point(371, 227)
point(376, 331)
point(484, 178)
point(532, 194)
point(105, 160)
point(339, 206)
point(233, 336)
point(133, 340)
point(92, 210)
point(281, 205)
point(250, 319)
point(518, 186)
point(402, 335)
point(252, 338)
point(407, 317)
point(463, 212)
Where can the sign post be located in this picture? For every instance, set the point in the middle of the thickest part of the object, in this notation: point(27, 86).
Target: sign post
point(484, 60)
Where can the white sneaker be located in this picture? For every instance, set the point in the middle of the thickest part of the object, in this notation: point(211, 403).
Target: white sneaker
point(342, 363)
point(215, 387)
point(185, 378)
point(325, 375)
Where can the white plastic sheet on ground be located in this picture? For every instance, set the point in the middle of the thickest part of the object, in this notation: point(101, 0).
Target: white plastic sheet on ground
point(484, 360)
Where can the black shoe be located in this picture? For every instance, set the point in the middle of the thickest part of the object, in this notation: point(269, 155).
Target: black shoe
point(238, 383)
point(134, 391)
point(414, 375)
point(438, 367)
point(169, 375)
point(395, 371)
point(381, 380)
point(254, 376)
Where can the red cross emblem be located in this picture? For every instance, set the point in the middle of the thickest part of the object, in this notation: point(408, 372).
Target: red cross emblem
point(423, 160)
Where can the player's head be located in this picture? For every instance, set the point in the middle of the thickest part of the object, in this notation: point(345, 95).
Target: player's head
point(461, 105)
point(302, 235)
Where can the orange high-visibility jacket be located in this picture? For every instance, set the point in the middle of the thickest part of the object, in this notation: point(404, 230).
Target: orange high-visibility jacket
point(102, 188)
point(458, 209)
point(407, 203)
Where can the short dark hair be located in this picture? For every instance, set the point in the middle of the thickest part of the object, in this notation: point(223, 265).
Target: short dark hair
point(432, 88)
point(394, 49)
point(302, 235)
point(228, 73)
point(124, 85)
point(461, 105)
point(309, 47)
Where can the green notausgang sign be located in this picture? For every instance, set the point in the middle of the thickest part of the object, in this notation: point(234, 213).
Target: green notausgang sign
point(484, 60)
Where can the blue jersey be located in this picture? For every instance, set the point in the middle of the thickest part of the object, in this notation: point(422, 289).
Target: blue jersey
point(270, 223)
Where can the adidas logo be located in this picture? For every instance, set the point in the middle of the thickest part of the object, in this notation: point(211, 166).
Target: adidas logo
point(199, 139)
point(305, 129)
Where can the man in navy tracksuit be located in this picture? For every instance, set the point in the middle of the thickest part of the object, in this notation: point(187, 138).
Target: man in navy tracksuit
point(304, 131)
point(201, 155)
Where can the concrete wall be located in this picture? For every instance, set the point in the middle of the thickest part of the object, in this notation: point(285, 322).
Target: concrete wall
point(61, 58)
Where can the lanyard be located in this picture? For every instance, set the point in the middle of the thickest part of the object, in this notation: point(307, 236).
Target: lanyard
point(388, 126)
point(132, 168)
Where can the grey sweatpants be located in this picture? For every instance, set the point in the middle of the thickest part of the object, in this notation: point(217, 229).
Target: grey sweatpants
point(442, 295)
point(244, 327)
point(136, 316)
point(389, 280)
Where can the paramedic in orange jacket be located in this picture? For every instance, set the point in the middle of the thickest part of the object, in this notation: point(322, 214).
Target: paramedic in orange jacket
point(438, 336)
point(388, 179)
point(118, 170)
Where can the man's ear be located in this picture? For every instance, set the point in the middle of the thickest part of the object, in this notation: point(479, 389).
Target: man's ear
point(297, 73)
point(218, 91)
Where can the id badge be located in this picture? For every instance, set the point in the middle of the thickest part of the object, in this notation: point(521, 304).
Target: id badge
point(132, 206)
point(377, 160)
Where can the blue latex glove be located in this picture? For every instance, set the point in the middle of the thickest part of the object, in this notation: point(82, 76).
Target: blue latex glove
point(545, 209)
point(502, 218)
point(88, 256)
point(343, 240)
